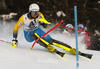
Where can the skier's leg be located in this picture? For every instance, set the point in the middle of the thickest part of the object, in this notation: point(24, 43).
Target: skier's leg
point(43, 43)
point(60, 43)
point(27, 35)
point(46, 44)
point(64, 46)
point(40, 32)
point(47, 39)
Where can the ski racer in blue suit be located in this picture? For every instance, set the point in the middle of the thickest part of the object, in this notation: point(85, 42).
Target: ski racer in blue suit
point(32, 31)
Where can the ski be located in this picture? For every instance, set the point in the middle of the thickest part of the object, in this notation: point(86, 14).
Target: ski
point(59, 53)
point(89, 56)
point(73, 51)
point(52, 49)
point(86, 55)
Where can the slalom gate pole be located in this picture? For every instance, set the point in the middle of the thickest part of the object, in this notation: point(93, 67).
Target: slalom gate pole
point(80, 30)
point(47, 32)
point(75, 17)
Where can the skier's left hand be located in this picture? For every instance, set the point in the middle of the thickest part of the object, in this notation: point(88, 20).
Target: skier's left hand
point(14, 42)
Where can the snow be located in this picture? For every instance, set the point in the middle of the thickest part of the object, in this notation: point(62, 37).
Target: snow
point(23, 57)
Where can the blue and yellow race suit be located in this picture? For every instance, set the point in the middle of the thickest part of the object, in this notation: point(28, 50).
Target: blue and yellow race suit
point(30, 27)
point(32, 32)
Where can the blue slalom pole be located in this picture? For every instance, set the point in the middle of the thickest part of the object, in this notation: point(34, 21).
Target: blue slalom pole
point(75, 17)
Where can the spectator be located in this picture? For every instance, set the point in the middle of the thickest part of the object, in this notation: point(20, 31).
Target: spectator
point(86, 38)
point(68, 30)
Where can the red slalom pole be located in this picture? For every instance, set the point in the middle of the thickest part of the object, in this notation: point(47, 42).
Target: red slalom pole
point(47, 33)
point(79, 30)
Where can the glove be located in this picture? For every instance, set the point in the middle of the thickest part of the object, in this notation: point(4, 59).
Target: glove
point(14, 42)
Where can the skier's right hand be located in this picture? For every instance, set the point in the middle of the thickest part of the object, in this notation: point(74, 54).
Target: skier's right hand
point(14, 42)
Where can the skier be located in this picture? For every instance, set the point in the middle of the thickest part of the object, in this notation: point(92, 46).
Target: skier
point(32, 31)
point(68, 31)
point(86, 38)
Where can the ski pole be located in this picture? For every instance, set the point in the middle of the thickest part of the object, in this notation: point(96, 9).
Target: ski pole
point(47, 33)
point(8, 43)
point(80, 30)
point(5, 41)
point(45, 21)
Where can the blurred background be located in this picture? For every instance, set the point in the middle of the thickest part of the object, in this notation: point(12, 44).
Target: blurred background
point(88, 12)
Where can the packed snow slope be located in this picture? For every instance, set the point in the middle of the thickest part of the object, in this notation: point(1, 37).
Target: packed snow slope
point(23, 57)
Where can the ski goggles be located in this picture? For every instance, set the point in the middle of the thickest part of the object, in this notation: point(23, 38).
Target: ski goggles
point(80, 26)
point(35, 12)
point(69, 26)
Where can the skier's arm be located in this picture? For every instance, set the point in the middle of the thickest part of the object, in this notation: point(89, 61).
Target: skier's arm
point(41, 16)
point(17, 26)
point(15, 31)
